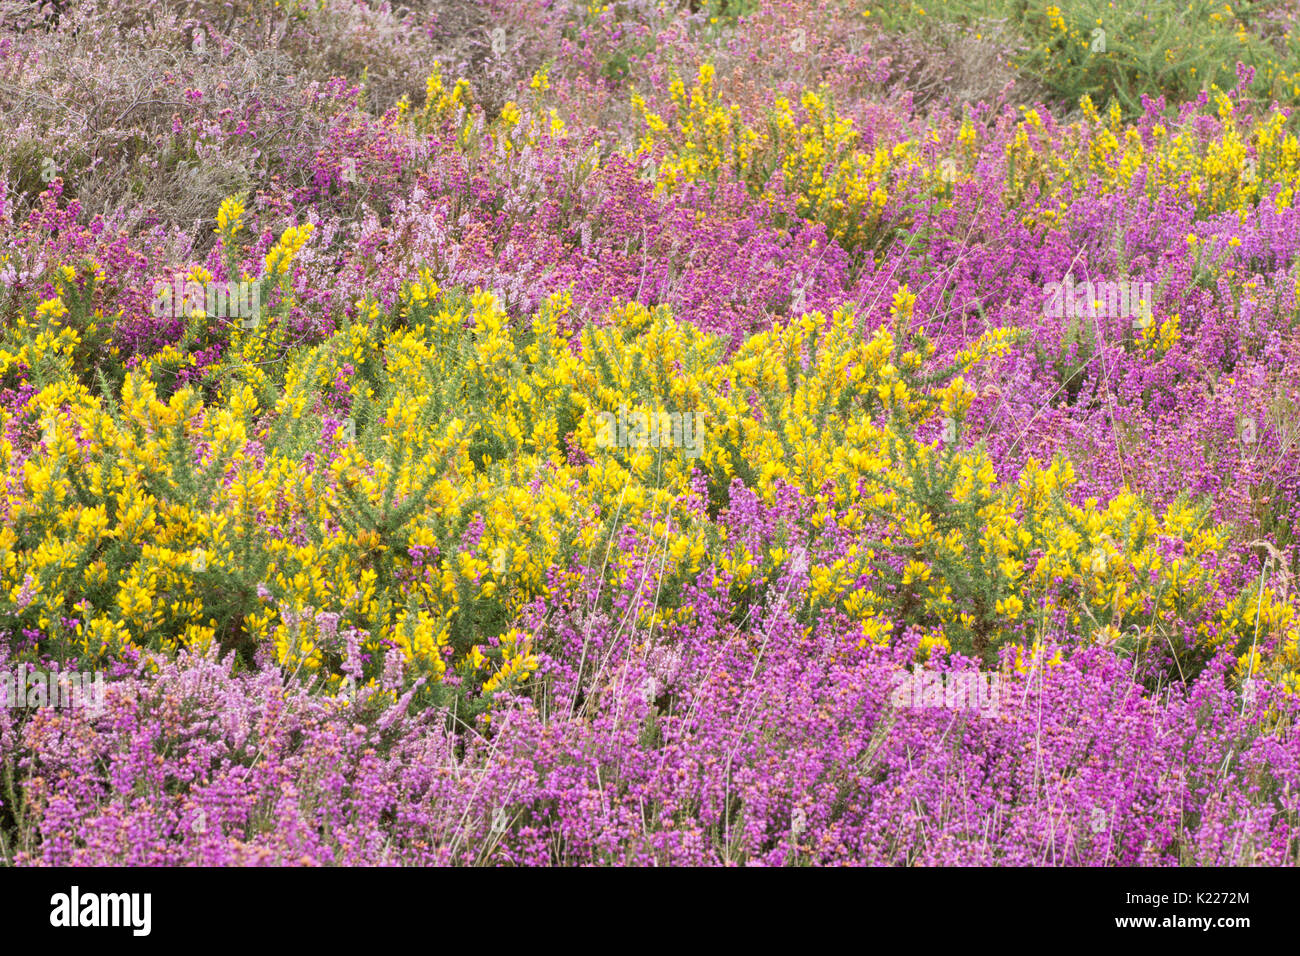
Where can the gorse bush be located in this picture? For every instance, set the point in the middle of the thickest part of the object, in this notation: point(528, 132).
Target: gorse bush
point(813, 155)
point(401, 501)
point(1219, 174)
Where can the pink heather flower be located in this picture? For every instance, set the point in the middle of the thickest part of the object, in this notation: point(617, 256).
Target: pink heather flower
point(394, 669)
point(352, 663)
point(26, 593)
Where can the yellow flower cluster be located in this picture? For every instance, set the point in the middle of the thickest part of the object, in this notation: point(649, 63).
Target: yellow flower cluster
point(1228, 172)
point(279, 257)
point(815, 151)
point(229, 217)
point(444, 108)
point(439, 102)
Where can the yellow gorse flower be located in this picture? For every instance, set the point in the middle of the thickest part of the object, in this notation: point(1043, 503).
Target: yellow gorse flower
point(279, 257)
point(229, 217)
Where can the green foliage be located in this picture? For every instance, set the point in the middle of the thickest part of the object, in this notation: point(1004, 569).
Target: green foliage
point(1127, 50)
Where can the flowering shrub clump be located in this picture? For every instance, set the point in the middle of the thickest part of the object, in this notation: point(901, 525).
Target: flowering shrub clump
point(691, 428)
